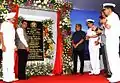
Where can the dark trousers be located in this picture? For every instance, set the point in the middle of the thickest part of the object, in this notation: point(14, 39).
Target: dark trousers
point(105, 60)
point(0, 55)
point(22, 60)
point(77, 53)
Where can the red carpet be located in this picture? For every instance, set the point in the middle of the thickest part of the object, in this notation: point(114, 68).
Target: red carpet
point(65, 79)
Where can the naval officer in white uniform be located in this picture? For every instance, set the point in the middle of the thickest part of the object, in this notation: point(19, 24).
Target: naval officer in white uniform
point(112, 32)
point(8, 47)
point(93, 47)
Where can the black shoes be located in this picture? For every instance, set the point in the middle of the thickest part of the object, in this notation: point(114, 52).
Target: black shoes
point(81, 73)
point(107, 75)
point(74, 73)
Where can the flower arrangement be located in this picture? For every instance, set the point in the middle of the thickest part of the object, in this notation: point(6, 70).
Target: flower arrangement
point(48, 38)
point(36, 69)
point(65, 25)
point(3, 11)
point(67, 53)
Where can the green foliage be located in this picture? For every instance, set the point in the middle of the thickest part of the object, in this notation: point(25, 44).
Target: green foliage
point(37, 69)
point(20, 19)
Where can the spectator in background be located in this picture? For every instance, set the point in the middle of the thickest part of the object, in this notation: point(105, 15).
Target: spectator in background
point(103, 21)
point(78, 39)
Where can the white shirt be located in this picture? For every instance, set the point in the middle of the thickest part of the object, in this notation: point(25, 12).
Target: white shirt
point(114, 22)
point(91, 40)
point(7, 28)
point(21, 36)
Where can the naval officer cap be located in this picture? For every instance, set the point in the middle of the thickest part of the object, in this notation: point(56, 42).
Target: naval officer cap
point(10, 15)
point(108, 5)
point(90, 21)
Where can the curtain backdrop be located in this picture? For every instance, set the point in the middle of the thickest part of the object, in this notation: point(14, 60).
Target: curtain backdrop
point(58, 60)
point(15, 8)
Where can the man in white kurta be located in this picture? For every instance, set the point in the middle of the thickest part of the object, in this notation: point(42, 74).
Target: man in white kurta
point(112, 33)
point(93, 48)
point(8, 32)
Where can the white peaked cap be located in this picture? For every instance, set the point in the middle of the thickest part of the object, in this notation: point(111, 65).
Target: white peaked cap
point(90, 20)
point(109, 4)
point(10, 15)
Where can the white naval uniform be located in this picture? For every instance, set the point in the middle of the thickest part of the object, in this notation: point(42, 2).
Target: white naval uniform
point(94, 52)
point(112, 45)
point(8, 31)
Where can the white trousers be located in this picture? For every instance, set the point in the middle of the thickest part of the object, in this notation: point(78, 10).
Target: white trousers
point(8, 65)
point(112, 46)
point(94, 59)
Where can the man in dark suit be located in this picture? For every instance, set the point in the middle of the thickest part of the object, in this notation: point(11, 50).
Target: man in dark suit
point(78, 39)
